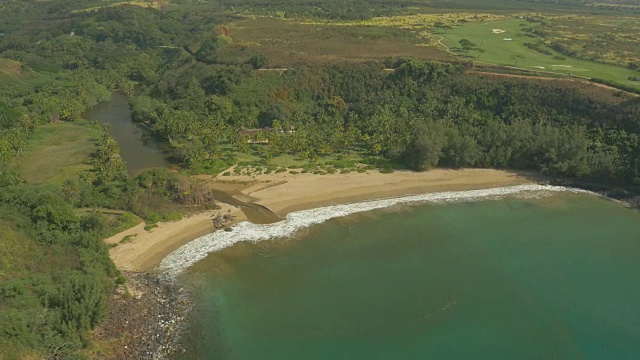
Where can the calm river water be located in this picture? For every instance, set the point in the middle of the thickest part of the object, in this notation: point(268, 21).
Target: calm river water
point(139, 149)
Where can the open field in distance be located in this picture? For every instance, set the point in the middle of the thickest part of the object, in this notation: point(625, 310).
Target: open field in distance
point(507, 48)
point(288, 42)
point(57, 152)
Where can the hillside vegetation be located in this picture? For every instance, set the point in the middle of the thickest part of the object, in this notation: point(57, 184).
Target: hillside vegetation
point(385, 95)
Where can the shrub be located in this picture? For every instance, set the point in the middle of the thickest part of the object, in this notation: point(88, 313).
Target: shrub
point(538, 47)
point(173, 216)
point(153, 217)
point(121, 280)
point(127, 239)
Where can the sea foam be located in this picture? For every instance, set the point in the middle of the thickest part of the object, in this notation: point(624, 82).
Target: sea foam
point(198, 249)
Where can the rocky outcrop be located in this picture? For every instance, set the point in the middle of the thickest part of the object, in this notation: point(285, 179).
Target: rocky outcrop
point(144, 319)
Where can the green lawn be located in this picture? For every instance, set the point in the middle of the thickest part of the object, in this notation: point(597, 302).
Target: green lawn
point(499, 51)
point(256, 154)
point(254, 161)
point(57, 152)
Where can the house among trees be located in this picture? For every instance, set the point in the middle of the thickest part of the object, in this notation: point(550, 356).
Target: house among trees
point(261, 136)
point(255, 136)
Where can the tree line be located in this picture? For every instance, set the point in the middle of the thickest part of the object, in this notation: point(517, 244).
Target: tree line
point(421, 115)
point(424, 114)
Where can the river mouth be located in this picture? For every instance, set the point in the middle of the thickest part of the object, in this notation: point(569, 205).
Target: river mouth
point(255, 213)
point(139, 149)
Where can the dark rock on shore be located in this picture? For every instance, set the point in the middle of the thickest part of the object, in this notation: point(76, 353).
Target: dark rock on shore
point(220, 221)
point(631, 196)
point(635, 202)
point(144, 319)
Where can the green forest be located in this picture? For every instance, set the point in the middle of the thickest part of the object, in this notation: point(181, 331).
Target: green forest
point(200, 92)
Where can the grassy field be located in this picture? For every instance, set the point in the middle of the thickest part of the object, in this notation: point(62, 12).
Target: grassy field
point(290, 42)
point(9, 68)
point(255, 161)
point(287, 43)
point(417, 21)
point(57, 152)
point(502, 52)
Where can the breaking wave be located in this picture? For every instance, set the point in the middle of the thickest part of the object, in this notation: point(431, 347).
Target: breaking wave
point(198, 249)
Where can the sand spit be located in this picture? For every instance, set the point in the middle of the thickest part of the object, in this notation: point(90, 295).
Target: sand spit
point(145, 249)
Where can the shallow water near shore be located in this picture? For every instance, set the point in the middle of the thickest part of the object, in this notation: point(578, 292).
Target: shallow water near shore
point(522, 278)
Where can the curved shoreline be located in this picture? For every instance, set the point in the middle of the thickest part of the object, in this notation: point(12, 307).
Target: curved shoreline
point(285, 193)
point(140, 250)
point(296, 192)
point(196, 250)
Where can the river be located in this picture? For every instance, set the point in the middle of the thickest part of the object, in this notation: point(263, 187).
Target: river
point(139, 149)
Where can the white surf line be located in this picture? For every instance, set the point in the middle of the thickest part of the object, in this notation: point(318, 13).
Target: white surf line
point(198, 249)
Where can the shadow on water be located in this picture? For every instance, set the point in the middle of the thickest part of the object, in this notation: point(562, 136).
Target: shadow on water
point(139, 149)
point(255, 213)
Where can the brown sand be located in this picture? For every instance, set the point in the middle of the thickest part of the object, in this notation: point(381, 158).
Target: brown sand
point(306, 191)
point(283, 193)
point(146, 249)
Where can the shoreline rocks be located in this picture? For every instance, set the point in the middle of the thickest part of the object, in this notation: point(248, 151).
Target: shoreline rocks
point(221, 221)
point(144, 319)
point(629, 196)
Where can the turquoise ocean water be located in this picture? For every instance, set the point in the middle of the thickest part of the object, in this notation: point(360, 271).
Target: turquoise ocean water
point(551, 278)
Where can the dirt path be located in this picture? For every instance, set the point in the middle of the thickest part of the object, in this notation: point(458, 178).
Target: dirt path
point(540, 77)
point(532, 71)
point(439, 42)
point(573, 77)
point(279, 70)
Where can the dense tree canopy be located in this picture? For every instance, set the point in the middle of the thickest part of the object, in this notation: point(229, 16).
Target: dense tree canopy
point(199, 91)
point(424, 113)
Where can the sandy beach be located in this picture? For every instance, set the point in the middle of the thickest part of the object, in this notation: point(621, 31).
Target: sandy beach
point(146, 249)
point(283, 193)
